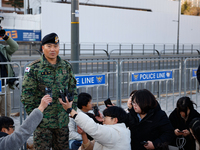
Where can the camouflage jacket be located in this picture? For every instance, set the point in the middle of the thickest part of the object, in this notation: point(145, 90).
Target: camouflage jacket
point(40, 74)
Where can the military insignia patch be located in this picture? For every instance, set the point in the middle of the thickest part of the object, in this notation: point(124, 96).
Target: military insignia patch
point(56, 39)
point(45, 73)
point(27, 69)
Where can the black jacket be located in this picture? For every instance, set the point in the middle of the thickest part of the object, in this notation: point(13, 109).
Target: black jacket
point(179, 123)
point(198, 74)
point(2, 134)
point(155, 127)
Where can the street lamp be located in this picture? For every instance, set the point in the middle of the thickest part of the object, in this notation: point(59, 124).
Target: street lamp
point(179, 13)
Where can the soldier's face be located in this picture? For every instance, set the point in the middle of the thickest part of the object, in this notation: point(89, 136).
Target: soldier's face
point(50, 51)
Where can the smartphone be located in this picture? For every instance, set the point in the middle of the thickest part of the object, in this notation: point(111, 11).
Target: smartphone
point(180, 131)
point(96, 111)
point(107, 102)
point(144, 142)
point(49, 92)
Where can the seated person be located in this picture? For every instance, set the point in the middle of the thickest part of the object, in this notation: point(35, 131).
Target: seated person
point(84, 104)
point(180, 118)
point(112, 135)
point(11, 139)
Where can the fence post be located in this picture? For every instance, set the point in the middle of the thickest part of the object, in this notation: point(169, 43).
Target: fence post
point(119, 83)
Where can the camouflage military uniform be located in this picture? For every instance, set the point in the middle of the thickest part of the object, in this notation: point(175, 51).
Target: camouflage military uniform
point(41, 74)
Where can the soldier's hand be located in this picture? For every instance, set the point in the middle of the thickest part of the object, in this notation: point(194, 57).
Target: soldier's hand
point(44, 102)
point(67, 104)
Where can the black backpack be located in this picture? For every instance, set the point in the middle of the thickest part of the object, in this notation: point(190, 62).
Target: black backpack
point(4, 71)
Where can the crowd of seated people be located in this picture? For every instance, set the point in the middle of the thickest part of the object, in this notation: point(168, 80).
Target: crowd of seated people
point(145, 126)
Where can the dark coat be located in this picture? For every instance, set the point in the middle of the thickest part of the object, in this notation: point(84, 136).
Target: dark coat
point(155, 127)
point(198, 74)
point(2, 134)
point(179, 123)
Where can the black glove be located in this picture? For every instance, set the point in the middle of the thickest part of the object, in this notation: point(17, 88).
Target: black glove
point(2, 32)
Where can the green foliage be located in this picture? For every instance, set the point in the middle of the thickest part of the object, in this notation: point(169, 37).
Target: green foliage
point(16, 4)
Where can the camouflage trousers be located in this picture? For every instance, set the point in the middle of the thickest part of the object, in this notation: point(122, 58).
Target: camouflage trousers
point(45, 138)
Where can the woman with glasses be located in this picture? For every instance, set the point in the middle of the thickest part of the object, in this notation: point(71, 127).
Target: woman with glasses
point(149, 125)
point(180, 118)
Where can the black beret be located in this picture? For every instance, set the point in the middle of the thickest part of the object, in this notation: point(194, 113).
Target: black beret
point(50, 38)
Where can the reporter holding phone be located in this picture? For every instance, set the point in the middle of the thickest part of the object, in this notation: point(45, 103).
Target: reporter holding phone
point(112, 135)
point(180, 118)
point(149, 125)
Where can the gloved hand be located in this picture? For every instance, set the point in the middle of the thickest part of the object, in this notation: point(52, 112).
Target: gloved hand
point(2, 32)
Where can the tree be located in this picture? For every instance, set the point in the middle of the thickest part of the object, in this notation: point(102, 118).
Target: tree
point(185, 7)
point(195, 11)
point(16, 4)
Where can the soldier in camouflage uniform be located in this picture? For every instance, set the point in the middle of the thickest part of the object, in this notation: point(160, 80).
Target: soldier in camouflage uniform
point(52, 72)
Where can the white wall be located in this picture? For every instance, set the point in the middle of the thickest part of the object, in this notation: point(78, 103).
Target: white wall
point(109, 25)
point(98, 24)
point(18, 21)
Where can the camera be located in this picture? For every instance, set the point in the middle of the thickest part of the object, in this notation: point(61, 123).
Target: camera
point(70, 96)
point(62, 95)
point(2, 31)
point(96, 111)
point(13, 82)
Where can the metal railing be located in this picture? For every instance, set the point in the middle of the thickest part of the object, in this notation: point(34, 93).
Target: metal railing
point(95, 49)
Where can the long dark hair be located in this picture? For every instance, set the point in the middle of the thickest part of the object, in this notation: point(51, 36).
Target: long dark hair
point(145, 99)
point(183, 104)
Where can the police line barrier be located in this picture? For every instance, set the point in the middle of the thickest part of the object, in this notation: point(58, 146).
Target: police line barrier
point(111, 78)
point(104, 76)
point(152, 80)
point(19, 77)
point(190, 78)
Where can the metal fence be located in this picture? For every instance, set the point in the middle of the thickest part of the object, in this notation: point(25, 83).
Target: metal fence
point(93, 49)
point(157, 62)
point(191, 85)
point(154, 79)
point(113, 69)
point(19, 77)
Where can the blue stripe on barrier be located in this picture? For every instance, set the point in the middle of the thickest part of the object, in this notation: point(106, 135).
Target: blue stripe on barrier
point(151, 76)
point(89, 80)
